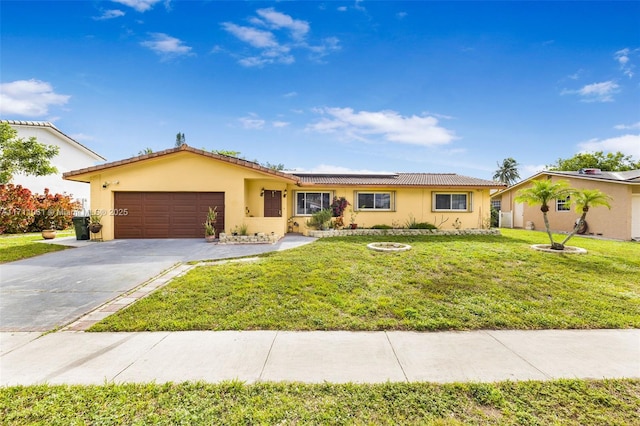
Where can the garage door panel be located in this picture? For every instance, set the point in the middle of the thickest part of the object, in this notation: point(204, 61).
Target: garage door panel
point(166, 214)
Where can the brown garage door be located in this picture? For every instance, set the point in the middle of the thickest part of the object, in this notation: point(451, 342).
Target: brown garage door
point(165, 214)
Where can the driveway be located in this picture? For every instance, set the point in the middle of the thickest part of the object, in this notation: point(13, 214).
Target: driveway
point(49, 291)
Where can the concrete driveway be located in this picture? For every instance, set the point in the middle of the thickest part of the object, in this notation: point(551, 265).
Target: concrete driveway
point(49, 291)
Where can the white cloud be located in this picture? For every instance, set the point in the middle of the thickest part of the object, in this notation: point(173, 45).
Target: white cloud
point(139, 5)
point(627, 126)
point(527, 170)
point(627, 144)
point(274, 35)
point(109, 14)
point(252, 122)
point(29, 98)
point(391, 126)
point(596, 92)
point(280, 124)
point(166, 46)
point(342, 9)
point(255, 37)
point(401, 15)
point(623, 58)
point(290, 95)
point(277, 20)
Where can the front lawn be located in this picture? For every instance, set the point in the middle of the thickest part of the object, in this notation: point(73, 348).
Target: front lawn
point(566, 402)
point(442, 283)
point(15, 247)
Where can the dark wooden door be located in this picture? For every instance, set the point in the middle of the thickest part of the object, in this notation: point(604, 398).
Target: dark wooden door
point(272, 203)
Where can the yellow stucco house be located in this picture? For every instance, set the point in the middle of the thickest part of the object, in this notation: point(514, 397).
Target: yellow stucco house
point(167, 195)
point(621, 222)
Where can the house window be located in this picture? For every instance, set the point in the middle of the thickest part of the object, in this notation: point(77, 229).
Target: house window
point(563, 205)
point(308, 203)
point(374, 201)
point(496, 204)
point(451, 202)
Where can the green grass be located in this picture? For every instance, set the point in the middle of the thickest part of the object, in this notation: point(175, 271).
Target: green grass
point(15, 247)
point(443, 283)
point(566, 402)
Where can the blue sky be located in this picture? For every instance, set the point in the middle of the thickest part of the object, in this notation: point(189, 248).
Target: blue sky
point(331, 86)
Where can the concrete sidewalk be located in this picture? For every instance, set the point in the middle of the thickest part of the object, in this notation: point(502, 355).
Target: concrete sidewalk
point(316, 357)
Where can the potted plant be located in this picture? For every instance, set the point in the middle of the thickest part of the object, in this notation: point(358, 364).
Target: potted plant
point(94, 222)
point(352, 220)
point(50, 233)
point(210, 225)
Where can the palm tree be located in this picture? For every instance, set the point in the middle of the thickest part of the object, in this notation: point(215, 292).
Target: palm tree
point(542, 192)
point(507, 172)
point(584, 199)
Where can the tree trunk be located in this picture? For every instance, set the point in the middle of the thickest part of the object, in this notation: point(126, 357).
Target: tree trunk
point(546, 225)
point(576, 227)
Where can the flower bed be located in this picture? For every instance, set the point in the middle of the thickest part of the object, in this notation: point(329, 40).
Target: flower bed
point(383, 232)
point(259, 238)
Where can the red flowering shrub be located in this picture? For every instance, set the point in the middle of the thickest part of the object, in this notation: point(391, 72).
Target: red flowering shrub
point(53, 211)
point(17, 209)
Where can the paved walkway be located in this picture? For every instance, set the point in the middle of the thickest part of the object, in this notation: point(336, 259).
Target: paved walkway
point(316, 357)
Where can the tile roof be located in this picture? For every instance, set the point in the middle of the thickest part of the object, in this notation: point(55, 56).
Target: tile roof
point(316, 179)
point(49, 125)
point(396, 179)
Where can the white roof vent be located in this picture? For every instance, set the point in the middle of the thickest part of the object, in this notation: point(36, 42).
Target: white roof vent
point(590, 171)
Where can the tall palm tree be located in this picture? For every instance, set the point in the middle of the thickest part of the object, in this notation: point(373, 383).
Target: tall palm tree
point(584, 199)
point(542, 192)
point(507, 171)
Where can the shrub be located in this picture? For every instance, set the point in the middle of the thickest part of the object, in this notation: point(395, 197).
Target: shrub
point(17, 209)
point(381, 227)
point(320, 219)
point(53, 211)
point(422, 225)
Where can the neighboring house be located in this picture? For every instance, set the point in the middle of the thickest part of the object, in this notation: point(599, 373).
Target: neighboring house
point(167, 194)
point(621, 222)
point(72, 155)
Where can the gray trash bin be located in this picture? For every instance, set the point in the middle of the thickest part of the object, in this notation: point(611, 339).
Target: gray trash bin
point(81, 225)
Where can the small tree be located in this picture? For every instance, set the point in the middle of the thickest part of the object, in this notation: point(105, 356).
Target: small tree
point(338, 206)
point(542, 192)
point(584, 199)
point(18, 155)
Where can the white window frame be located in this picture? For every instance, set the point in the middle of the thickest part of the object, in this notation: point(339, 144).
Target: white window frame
point(392, 201)
point(563, 205)
point(330, 193)
point(468, 198)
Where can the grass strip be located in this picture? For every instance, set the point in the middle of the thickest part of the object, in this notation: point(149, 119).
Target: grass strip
point(16, 247)
point(567, 402)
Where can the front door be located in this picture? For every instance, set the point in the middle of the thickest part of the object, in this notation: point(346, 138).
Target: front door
point(272, 203)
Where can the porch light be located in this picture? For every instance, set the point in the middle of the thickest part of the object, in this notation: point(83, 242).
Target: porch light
point(262, 192)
